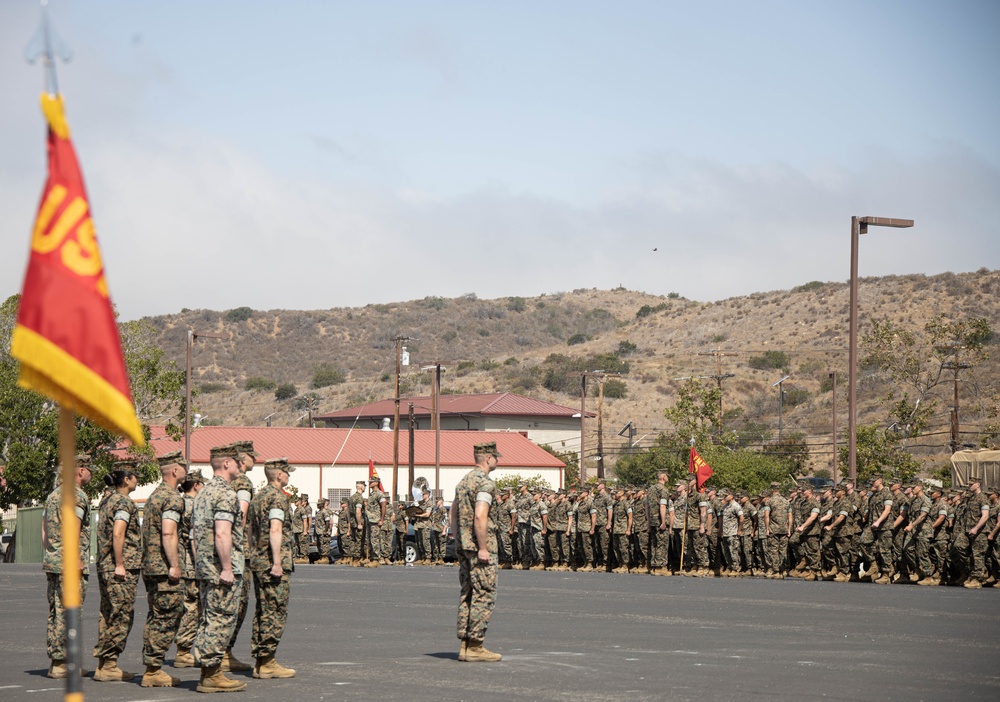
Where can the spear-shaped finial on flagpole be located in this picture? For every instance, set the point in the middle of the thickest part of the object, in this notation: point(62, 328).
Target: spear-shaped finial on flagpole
point(48, 46)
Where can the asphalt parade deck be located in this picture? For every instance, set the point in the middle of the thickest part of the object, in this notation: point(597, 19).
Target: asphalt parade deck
point(389, 634)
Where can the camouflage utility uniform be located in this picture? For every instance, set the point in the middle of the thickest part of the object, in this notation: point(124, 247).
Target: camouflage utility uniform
point(478, 580)
point(117, 593)
point(52, 566)
point(164, 596)
point(271, 592)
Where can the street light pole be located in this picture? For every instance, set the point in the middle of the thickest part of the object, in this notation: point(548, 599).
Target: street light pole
point(833, 377)
point(191, 336)
point(781, 402)
point(859, 226)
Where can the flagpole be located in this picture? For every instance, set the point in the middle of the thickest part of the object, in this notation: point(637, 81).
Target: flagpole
point(71, 563)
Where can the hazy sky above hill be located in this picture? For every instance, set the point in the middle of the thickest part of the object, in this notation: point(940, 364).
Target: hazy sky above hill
point(323, 154)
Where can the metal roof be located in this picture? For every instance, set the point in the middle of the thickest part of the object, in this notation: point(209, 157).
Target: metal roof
point(496, 404)
point(305, 446)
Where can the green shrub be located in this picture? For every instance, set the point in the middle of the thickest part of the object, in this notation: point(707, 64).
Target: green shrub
point(240, 314)
point(626, 348)
point(209, 388)
point(285, 391)
point(615, 388)
point(577, 339)
point(769, 360)
point(258, 383)
point(326, 375)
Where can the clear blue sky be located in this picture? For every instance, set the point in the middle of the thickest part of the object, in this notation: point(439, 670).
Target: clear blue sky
point(346, 153)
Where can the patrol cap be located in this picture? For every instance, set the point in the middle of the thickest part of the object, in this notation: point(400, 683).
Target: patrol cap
point(489, 447)
point(194, 476)
point(975, 479)
point(226, 451)
point(374, 480)
point(775, 486)
point(281, 463)
point(171, 458)
point(245, 447)
point(877, 476)
point(83, 460)
point(128, 465)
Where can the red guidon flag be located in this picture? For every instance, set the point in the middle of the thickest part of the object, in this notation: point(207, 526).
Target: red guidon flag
point(66, 338)
point(701, 470)
point(372, 473)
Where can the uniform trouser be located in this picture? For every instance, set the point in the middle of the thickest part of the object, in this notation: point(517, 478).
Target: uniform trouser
point(676, 540)
point(527, 546)
point(437, 548)
point(602, 545)
point(423, 543)
point(56, 631)
point(842, 552)
point(478, 583)
point(777, 550)
point(827, 550)
point(399, 546)
point(585, 551)
point(373, 541)
point(537, 546)
point(714, 543)
point(968, 554)
point(760, 552)
point(747, 552)
point(939, 552)
point(304, 544)
point(387, 534)
point(809, 551)
point(270, 612)
point(188, 625)
point(731, 547)
point(917, 554)
point(898, 537)
point(557, 546)
point(640, 548)
point(659, 547)
point(323, 545)
point(166, 607)
point(697, 548)
point(219, 607)
point(620, 544)
point(117, 613)
point(504, 553)
point(516, 548)
point(297, 546)
point(242, 615)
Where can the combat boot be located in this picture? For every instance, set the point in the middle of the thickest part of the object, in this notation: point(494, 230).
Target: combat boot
point(213, 680)
point(809, 576)
point(463, 649)
point(267, 668)
point(184, 659)
point(882, 580)
point(155, 677)
point(475, 651)
point(57, 671)
point(842, 578)
point(231, 663)
point(506, 566)
point(929, 580)
point(973, 584)
point(108, 671)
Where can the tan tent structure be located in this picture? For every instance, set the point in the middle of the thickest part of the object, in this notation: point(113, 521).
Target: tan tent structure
point(985, 464)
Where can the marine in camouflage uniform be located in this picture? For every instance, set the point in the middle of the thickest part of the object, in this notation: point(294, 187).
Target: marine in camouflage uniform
point(658, 527)
point(219, 566)
point(918, 535)
point(306, 532)
point(386, 534)
point(640, 531)
point(777, 525)
point(356, 508)
point(118, 579)
point(322, 523)
point(375, 507)
point(697, 530)
point(297, 524)
point(621, 530)
point(188, 626)
point(244, 493)
point(538, 520)
point(52, 564)
point(402, 527)
point(585, 531)
point(602, 508)
point(969, 548)
point(558, 524)
point(525, 547)
point(162, 568)
point(270, 558)
point(875, 545)
point(422, 528)
point(477, 554)
point(731, 522)
point(808, 529)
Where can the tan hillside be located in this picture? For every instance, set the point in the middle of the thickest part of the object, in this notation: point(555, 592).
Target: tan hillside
point(502, 345)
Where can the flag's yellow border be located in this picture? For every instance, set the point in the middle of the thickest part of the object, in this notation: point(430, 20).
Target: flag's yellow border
point(49, 370)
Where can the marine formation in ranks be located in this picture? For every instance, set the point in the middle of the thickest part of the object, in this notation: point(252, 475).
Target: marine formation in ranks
point(197, 548)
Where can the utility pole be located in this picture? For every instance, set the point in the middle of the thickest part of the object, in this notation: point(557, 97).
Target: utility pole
point(833, 376)
point(719, 376)
point(954, 366)
point(395, 417)
point(600, 427)
point(630, 430)
point(583, 417)
point(436, 423)
point(412, 426)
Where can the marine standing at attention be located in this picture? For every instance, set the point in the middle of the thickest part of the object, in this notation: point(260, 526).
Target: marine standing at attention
point(476, 553)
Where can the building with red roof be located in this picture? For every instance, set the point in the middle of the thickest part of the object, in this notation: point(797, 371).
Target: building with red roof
point(328, 461)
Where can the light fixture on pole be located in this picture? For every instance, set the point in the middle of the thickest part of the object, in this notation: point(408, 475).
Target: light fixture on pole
point(781, 403)
point(436, 423)
point(859, 226)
